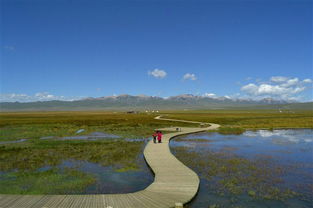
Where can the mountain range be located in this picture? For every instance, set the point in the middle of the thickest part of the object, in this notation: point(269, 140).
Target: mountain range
point(144, 102)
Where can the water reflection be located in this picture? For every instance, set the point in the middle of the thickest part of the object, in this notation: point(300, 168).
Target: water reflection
point(92, 136)
point(13, 142)
point(288, 151)
point(282, 136)
point(110, 181)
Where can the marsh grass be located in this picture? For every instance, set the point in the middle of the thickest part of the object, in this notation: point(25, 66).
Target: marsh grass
point(249, 119)
point(231, 130)
point(182, 139)
point(53, 181)
point(117, 153)
point(21, 162)
point(34, 125)
point(229, 174)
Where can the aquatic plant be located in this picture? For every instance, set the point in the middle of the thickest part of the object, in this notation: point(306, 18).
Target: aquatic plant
point(56, 181)
point(182, 139)
point(231, 130)
point(20, 164)
point(230, 174)
point(43, 153)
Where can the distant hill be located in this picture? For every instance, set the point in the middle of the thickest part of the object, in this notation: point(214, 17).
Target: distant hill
point(143, 102)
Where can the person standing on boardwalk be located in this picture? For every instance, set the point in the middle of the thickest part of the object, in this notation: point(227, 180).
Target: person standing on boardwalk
point(155, 136)
point(159, 136)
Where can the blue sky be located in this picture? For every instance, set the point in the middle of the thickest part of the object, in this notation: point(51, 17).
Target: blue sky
point(64, 49)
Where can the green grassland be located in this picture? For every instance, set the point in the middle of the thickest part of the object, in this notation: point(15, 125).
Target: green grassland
point(21, 163)
point(250, 119)
point(69, 181)
point(33, 125)
point(35, 168)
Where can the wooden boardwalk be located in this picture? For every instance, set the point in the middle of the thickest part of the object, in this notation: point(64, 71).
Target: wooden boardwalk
point(173, 183)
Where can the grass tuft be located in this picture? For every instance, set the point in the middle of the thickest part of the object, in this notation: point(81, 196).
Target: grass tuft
point(231, 130)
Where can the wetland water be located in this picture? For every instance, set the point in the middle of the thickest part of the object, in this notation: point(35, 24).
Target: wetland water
point(110, 180)
point(76, 167)
point(256, 169)
point(106, 179)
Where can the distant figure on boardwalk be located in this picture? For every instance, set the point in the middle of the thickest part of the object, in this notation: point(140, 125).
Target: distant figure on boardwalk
point(159, 136)
point(154, 135)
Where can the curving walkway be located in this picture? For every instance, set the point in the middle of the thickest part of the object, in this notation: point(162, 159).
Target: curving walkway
point(173, 183)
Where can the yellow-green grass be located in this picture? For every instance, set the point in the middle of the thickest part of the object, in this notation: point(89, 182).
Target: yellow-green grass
point(116, 153)
point(249, 119)
point(33, 125)
point(22, 166)
point(230, 130)
point(27, 157)
point(53, 181)
point(22, 162)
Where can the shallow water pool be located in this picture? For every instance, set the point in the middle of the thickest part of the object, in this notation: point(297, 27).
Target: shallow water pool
point(110, 180)
point(256, 169)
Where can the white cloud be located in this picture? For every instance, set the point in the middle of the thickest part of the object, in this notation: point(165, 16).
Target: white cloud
point(45, 96)
point(189, 76)
point(40, 96)
point(14, 97)
point(157, 73)
point(278, 87)
point(250, 88)
point(270, 89)
point(307, 81)
point(290, 82)
point(210, 95)
point(279, 79)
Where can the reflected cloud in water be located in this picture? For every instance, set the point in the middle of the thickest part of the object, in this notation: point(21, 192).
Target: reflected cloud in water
point(280, 136)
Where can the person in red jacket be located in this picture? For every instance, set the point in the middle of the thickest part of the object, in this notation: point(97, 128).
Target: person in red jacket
point(159, 136)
